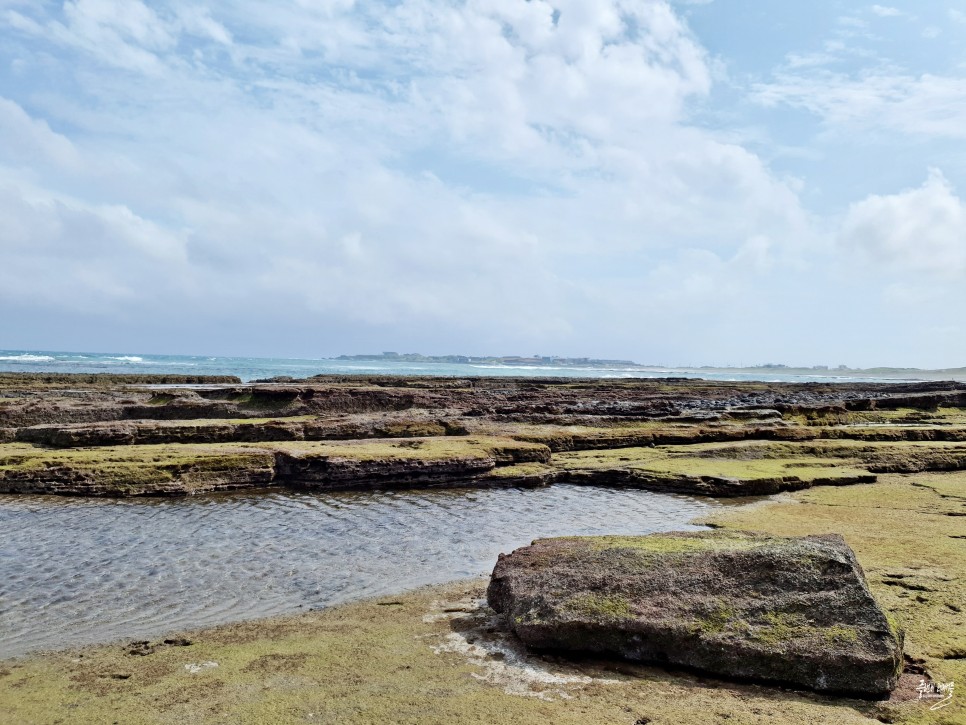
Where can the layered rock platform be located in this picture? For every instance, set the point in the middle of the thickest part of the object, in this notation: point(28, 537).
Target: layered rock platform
point(116, 435)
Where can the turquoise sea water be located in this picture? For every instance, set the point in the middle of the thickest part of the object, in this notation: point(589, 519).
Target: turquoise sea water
point(251, 368)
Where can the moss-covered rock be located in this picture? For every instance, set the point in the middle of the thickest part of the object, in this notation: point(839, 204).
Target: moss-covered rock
point(731, 603)
point(184, 469)
point(747, 469)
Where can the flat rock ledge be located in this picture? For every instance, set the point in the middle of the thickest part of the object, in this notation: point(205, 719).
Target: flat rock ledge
point(740, 605)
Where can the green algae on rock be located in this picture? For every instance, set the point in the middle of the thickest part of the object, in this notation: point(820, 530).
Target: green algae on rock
point(734, 604)
point(692, 437)
point(429, 656)
point(908, 532)
point(183, 469)
point(906, 529)
point(710, 469)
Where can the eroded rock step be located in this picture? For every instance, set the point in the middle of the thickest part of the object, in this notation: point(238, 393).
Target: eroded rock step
point(691, 437)
point(192, 469)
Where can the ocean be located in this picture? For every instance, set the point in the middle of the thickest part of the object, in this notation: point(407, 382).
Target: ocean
point(253, 368)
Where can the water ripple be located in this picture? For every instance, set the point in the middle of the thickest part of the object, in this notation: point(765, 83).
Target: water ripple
point(74, 571)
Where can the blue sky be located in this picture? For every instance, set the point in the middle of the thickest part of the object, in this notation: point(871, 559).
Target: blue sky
point(723, 182)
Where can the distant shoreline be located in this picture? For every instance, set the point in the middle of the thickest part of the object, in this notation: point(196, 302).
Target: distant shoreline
point(824, 371)
point(253, 368)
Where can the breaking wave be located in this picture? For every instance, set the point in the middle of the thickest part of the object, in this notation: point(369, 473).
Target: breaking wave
point(26, 358)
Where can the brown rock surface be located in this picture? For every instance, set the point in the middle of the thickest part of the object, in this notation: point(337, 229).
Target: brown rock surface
point(904, 427)
point(735, 604)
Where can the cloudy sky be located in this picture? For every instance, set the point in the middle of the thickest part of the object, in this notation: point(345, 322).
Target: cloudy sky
point(703, 182)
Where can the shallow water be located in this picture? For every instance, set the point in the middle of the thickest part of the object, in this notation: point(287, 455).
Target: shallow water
point(76, 571)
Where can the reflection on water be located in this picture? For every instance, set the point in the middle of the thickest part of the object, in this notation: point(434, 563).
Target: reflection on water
point(75, 571)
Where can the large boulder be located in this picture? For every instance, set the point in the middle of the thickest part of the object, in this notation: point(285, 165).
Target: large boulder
point(795, 611)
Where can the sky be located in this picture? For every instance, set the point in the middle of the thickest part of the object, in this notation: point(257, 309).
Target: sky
point(703, 182)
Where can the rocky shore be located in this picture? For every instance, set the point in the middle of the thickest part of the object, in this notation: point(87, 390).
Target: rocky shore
point(877, 469)
point(440, 655)
point(118, 436)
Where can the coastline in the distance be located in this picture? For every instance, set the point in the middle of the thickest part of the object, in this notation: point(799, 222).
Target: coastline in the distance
point(391, 363)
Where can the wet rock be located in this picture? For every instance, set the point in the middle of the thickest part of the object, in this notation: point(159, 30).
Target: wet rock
point(704, 485)
point(794, 611)
point(141, 648)
point(178, 642)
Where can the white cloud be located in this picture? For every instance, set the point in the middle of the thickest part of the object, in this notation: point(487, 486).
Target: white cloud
point(483, 176)
point(885, 11)
point(100, 20)
point(66, 254)
point(29, 140)
point(197, 20)
point(916, 231)
point(925, 105)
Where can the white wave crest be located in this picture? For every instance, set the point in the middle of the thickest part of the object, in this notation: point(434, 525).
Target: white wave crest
point(128, 358)
point(27, 358)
